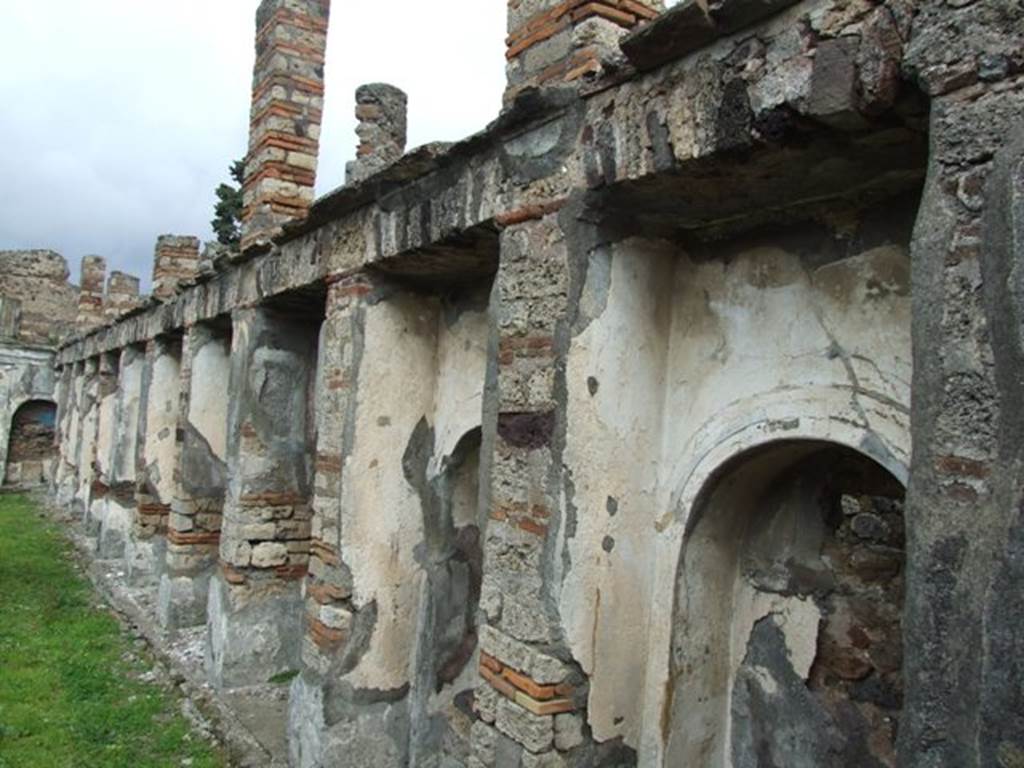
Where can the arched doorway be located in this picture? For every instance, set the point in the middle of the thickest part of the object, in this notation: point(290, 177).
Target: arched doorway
point(31, 447)
point(786, 636)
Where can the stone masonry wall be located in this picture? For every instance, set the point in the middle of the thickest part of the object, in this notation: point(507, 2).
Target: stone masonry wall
point(38, 281)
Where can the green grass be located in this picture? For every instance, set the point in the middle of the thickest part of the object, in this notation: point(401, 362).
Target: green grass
point(70, 693)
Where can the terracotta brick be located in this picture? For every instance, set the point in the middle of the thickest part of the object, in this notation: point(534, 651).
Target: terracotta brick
point(491, 663)
point(542, 34)
point(325, 637)
point(325, 552)
point(530, 526)
point(528, 686)
point(498, 683)
point(529, 212)
point(544, 708)
point(324, 593)
point(192, 539)
point(604, 11)
point(231, 576)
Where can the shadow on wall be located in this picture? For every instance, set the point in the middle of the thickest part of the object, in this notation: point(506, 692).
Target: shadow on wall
point(787, 640)
point(32, 450)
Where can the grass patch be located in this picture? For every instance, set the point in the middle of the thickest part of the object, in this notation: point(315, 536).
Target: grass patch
point(70, 694)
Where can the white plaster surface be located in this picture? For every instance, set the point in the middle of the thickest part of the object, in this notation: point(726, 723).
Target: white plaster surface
point(382, 522)
point(696, 362)
point(208, 407)
point(162, 422)
point(415, 366)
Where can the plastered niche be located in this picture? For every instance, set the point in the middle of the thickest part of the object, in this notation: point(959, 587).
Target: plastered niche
point(161, 424)
point(211, 369)
point(677, 354)
point(382, 523)
point(615, 379)
point(408, 527)
point(129, 395)
point(787, 643)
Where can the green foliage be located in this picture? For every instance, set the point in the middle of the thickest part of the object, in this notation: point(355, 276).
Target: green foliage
point(284, 677)
point(70, 689)
point(227, 213)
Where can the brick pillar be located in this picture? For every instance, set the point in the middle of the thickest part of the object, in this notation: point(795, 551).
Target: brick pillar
point(556, 42)
point(63, 398)
point(156, 450)
point(534, 695)
point(88, 406)
point(67, 469)
point(106, 402)
point(381, 112)
point(119, 512)
point(175, 261)
point(255, 607)
point(90, 294)
point(330, 612)
point(284, 123)
point(122, 295)
point(193, 534)
point(328, 587)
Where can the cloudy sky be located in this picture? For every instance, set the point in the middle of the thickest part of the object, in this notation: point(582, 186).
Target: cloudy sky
point(121, 117)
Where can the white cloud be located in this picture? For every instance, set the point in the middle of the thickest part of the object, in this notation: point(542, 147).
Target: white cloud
point(121, 117)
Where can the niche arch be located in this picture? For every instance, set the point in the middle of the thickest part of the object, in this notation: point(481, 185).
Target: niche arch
point(761, 432)
point(31, 444)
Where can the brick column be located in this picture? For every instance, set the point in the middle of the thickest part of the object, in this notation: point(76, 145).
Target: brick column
point(193, 534)
point(287, 105)
point(381, 110)
point(120, 480)
point(105, 436)
point(553, 43)
point(533, 699)
point(329, 610)
point(254, 610)
point(67, 469)
point(90, 294)
point(155, 452)
point(88, 406)
point(175, 262)
point(329, 584)
point(122, 295)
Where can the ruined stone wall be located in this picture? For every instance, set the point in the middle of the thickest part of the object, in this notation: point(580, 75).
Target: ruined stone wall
point(46, 301)
point(672, 420)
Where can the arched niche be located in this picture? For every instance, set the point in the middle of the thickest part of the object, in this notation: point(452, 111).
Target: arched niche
point(31, 445)
point(786, 638)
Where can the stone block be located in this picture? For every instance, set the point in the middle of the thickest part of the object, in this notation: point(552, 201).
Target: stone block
point(269, 554)
point(181, 600)
point(568, 731)
point(336, 617)
point(252, 632)
point(541, 668)
point(682, 29)
point(535, 733)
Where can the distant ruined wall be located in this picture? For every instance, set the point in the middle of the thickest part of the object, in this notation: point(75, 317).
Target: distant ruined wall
point(47, 302)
